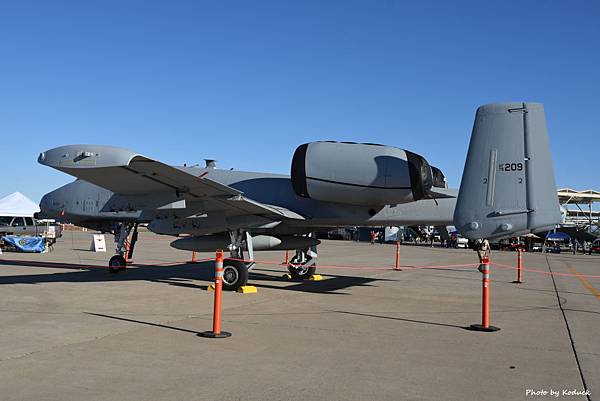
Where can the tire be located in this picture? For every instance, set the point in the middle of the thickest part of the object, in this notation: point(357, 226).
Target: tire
point(235, 274)
point(117, 264)
point(301, 272)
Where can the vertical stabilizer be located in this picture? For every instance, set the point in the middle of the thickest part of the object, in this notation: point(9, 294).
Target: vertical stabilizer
point(508, 185)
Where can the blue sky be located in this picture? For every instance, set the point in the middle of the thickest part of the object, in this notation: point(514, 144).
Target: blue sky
point(246, 82)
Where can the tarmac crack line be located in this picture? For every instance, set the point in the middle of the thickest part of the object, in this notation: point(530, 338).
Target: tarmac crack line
point(564, 315)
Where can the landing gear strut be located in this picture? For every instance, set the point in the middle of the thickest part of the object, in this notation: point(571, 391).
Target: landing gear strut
point(303, 264)
point(124, 250)
point(235, 269)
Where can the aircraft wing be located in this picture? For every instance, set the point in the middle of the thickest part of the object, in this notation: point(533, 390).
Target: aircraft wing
point(127, 173)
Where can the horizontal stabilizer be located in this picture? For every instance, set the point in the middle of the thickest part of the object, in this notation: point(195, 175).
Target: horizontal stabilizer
point(508, 186)
point(439, 193)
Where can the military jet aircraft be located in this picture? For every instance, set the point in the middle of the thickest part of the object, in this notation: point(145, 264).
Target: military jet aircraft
point(507, 189)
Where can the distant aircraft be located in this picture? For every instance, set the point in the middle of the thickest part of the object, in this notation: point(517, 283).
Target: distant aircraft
point(507, 189)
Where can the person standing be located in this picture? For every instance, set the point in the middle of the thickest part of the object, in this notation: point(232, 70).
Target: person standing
point(482, 246)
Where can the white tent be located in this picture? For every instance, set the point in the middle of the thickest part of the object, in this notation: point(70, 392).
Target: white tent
point(17, 204)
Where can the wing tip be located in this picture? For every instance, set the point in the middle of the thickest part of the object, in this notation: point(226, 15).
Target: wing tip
point(86, 156)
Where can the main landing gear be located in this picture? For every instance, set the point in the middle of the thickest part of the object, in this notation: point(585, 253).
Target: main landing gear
point(235, 268)
point(124, 250)
point(303, 264)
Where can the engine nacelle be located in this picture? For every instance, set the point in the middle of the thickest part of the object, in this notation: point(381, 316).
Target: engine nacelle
point(359, 174)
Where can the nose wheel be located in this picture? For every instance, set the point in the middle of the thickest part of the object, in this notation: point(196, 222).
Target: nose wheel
point(117, 264)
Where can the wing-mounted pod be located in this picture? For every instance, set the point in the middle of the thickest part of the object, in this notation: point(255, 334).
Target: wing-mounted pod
point(508, 185)
point(359, 174)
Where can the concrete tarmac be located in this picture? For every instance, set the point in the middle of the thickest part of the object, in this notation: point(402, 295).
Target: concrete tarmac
point(72, 331)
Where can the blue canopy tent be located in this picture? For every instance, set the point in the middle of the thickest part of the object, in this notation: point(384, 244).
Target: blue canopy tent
point(557, 236)
point(555, 239)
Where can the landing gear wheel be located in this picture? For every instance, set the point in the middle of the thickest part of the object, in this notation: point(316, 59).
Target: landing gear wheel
point(117, 264)
point(235, 274)
point(302, 272)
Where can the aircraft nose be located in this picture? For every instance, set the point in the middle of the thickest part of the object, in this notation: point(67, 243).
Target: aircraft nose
point(44, 202)
point(46, 210)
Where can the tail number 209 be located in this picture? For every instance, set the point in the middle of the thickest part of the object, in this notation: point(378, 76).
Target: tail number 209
point(510, 167)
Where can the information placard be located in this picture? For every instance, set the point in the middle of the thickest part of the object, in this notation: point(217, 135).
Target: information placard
point(98, 243)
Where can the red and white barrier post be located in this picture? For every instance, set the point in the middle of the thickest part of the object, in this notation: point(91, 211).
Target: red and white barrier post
point(519, 279)
point(484, 268)
point(287, 258)
point(194, 258)
point(126, 251)
point(398, 256)
point(216, 331)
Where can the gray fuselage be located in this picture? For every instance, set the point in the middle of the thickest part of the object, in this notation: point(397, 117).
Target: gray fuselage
point(89, 205)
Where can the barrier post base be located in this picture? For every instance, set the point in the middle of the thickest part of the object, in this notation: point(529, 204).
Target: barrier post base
point(480, 327)
point(517, 282)
point(212, 334)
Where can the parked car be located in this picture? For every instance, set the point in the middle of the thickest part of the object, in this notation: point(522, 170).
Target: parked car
point(458, 241)
point(18, 226)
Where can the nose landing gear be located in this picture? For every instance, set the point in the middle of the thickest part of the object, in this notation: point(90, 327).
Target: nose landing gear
point(117, 264)
point(124, 250)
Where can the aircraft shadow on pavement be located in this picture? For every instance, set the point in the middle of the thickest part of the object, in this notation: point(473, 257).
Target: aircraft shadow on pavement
point(177, 275)
point(369, 315)
point(164, 326)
